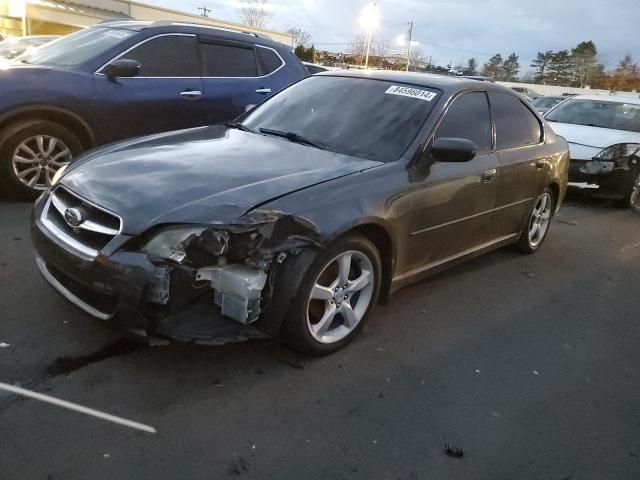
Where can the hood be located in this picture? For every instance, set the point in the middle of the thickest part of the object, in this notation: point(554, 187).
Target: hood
point(203, 175)
point(586, 142)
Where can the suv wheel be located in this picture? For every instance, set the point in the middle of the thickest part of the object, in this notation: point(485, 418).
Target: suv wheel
point(335, 297)
point(31, 152)
point(634, 198)
point(538, 223)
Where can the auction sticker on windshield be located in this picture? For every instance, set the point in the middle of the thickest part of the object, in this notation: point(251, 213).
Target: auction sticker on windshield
point(411, 92)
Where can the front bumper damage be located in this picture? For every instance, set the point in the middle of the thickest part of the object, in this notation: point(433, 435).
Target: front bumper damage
point(202, 298)
point(613, 177)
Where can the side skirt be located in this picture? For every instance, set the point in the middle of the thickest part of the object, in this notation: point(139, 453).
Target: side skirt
point(420, 273)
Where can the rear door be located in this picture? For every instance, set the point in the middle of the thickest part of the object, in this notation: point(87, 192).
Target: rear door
point(453, 206)
point(167, 95)
point(235, 75)
point(522, 162)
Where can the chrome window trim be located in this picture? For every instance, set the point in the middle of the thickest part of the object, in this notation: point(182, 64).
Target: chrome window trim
point(117, 57)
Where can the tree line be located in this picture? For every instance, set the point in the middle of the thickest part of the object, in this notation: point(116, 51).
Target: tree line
point(577, 67)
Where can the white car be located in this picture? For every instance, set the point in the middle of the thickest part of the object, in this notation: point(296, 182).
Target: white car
point(604, 143)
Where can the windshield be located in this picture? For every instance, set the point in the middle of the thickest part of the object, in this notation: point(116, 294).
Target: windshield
point(76, 48)
point(598, 113)
point(14, 47)
point(371, 119)
point(546, 102)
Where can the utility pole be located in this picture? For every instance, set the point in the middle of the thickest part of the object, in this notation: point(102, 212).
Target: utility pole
point(366, 60)
point(205, 11)
point(409, 45)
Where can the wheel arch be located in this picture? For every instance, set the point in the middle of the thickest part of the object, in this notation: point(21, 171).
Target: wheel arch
point(379, 234)
point(62, 116)
point(555, 189)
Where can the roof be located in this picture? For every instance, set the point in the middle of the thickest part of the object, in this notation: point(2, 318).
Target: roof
point(441, 82)
point(609, 98)
point(143, 25)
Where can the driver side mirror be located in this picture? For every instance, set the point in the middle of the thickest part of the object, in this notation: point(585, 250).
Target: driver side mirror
point(453, 150)
point(122, 68)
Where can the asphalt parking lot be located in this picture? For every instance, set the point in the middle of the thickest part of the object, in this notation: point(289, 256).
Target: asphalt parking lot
point(531, 364)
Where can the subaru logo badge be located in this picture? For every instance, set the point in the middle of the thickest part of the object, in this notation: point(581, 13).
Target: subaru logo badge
point(73, 217)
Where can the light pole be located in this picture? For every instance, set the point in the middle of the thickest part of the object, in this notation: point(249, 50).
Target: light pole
point(369, 20)
point(409, 45)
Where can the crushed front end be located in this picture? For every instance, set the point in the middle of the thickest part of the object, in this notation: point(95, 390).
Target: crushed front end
point(208, 284)
point(614, 169)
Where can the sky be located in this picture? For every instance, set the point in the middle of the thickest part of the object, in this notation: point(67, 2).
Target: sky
point(453, 31)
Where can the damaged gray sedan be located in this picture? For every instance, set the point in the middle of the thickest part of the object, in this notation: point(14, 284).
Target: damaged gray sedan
point(300, 216)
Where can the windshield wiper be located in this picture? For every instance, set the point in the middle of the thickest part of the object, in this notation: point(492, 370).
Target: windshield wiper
point(239, 126)
point(293, 137)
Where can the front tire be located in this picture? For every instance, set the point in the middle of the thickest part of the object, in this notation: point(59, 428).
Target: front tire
point(31, 152)
point(335, 297)
point(538, 222)
point(634, 197)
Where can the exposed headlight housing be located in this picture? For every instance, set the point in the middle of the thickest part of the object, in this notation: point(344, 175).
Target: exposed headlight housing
point(58, 174)
point(173, 243)
point(620, 150)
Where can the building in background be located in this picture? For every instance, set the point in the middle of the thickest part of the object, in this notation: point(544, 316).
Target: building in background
point(54, 17)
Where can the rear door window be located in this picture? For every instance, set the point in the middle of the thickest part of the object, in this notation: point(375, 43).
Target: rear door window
point(270, 60)
point(167, 56)
point(516, 125)
point(468, 117)
point(226, 60)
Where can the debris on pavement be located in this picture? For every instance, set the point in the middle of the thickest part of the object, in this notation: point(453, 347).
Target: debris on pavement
point(4, 345)
point(453, 451)
point(529, 274)
point(567, 222)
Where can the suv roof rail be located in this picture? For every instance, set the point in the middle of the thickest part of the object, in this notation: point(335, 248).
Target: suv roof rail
point(164, 23)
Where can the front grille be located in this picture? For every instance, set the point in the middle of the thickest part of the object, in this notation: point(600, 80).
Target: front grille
point(94, 230)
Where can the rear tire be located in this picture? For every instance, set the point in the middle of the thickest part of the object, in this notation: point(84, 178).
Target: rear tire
point(335, 297)
point(538, 222)
point(31, 151)
point(634, 197)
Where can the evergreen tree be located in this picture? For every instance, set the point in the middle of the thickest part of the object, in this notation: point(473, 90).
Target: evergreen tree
point(493, 68)
point(471, 68)
point(584, 63)
point(541, 65)
point(511, 68)
point(560, 70)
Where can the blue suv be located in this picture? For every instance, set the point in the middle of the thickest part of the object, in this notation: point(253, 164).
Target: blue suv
point(124, 79)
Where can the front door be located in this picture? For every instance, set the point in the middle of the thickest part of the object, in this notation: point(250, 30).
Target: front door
point(167, 95)
point(453, 205)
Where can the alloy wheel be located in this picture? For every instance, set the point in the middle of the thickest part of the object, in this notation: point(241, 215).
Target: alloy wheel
point(540, 219)
point(37, 159)
point(340, 297)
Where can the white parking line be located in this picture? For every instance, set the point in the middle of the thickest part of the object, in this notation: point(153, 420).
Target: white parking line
point(75, 407)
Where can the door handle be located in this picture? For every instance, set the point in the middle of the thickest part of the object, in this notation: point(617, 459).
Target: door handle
point(540, 164)
point(191, 93)
point(263, 90)
point(489, 175)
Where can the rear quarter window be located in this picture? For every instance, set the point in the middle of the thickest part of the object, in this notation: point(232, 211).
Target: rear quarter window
point(269, 59)
point(516, 125)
